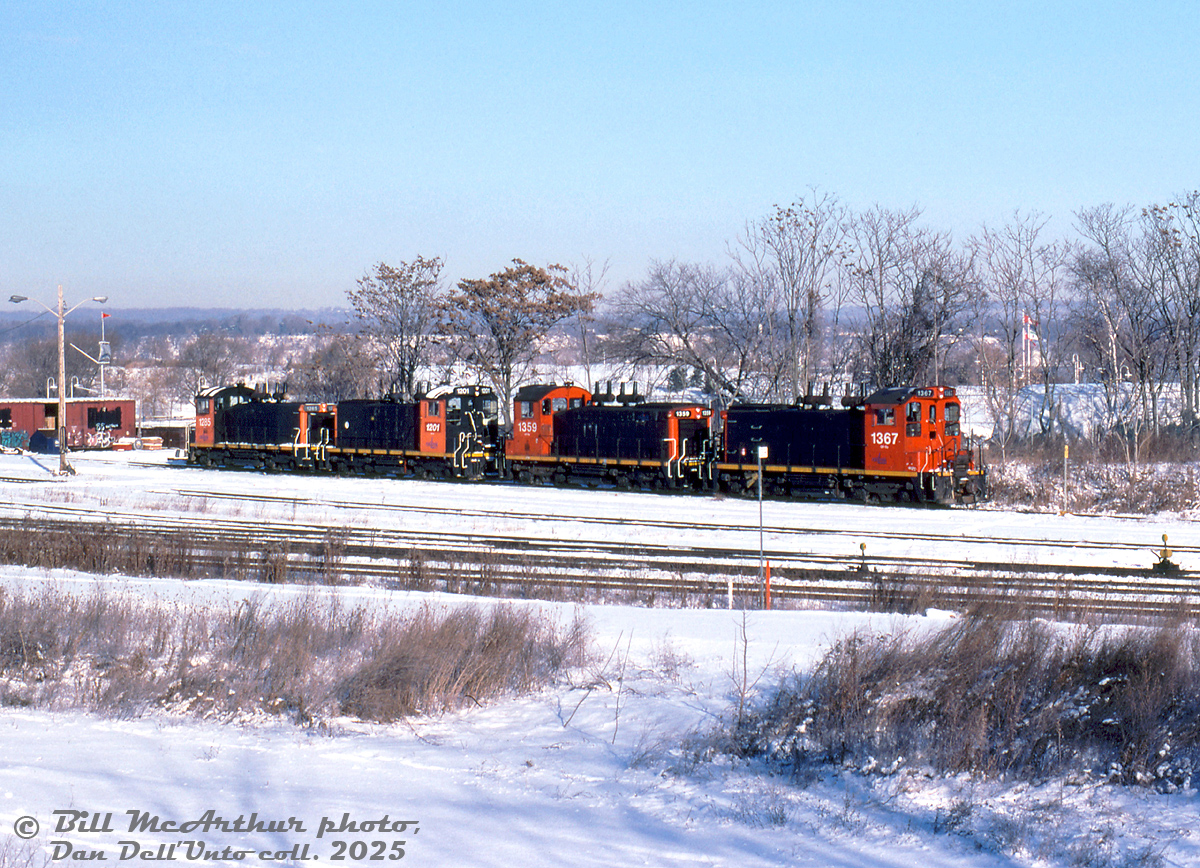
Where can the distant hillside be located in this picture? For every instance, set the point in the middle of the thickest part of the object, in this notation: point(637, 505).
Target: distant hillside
point(135, 323)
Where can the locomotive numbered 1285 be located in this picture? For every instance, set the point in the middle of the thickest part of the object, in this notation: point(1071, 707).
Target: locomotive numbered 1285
point(447, 433)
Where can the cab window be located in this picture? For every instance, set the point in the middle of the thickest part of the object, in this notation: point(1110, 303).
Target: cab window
point(912, 419)
point(952, 429)
point(885, 416)
point(933, 414)
point(203, 406)
point(453, 409)
point(545, 406)
point(560, 404)
point(576, 403)
point(526, 409)
point(433, 408)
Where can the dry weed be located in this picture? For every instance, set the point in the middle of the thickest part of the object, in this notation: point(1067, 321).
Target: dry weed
point(993, 696)
point(306, 659)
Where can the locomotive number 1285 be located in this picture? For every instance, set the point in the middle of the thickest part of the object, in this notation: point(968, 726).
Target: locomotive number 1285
point(884, 438)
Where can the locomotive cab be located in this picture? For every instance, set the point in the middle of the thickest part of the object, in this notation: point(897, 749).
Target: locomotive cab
point(210, 407)
point(468, 421)
point(916, 432)
point(533, 417)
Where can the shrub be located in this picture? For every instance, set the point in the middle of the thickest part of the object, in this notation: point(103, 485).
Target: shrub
point(996, 697)
point(304, 659)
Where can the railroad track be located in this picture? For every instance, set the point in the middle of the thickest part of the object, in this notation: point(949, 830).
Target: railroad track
point(384, 542)
point(654, 574)
point(668, 524)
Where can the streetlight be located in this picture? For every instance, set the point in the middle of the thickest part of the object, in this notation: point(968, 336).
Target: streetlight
point(762, 580)
point(63, 467)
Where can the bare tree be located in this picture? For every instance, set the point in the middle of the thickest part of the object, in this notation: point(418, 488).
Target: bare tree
point(587, 277)
point(339, 366)
point(718, 321)
point(796, 253)
point(914, 289)
point(1170, 268)
point(1017, 313)
point(215, 358)
point(396, 307)
point(1116, 315)
point(501, 321)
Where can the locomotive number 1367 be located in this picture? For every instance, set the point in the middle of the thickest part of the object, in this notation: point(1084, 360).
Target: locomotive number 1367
point(884, 438)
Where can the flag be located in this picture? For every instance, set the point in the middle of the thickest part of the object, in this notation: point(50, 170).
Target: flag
point(1029, 326)
point(105, 315)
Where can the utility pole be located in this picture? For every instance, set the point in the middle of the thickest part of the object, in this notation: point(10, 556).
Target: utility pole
point(64, 466)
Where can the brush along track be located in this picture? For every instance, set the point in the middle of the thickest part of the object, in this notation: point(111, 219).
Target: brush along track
point(578, 570)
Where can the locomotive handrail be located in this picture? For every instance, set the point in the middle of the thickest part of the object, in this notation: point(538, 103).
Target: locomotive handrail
point(323, 446)
point(671, 472)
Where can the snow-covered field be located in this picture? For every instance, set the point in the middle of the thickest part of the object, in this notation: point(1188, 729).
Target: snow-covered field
point(594, 771)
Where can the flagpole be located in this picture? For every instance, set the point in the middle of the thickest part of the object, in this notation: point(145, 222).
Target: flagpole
point(103, 315)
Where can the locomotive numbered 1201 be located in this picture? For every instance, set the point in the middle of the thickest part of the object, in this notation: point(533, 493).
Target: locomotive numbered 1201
point(896, 445)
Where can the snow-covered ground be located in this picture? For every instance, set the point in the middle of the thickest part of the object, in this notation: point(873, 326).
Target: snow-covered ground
point(593, 771)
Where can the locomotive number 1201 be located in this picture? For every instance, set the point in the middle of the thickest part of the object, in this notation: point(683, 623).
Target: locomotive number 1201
point(884, 438)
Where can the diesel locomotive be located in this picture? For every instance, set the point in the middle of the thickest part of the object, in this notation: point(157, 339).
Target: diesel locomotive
point(895, 445)
point(448, 433)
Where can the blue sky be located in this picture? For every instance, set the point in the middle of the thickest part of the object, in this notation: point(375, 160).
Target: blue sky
point(266, 154)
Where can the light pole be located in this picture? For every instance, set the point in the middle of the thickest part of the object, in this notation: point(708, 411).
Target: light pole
point(762, 581)
point(63, 467)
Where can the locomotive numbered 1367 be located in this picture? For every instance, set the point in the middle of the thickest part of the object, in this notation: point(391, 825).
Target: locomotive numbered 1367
point(896, 445)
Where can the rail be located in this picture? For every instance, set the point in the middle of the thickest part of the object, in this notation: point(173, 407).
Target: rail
point(587, 571)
